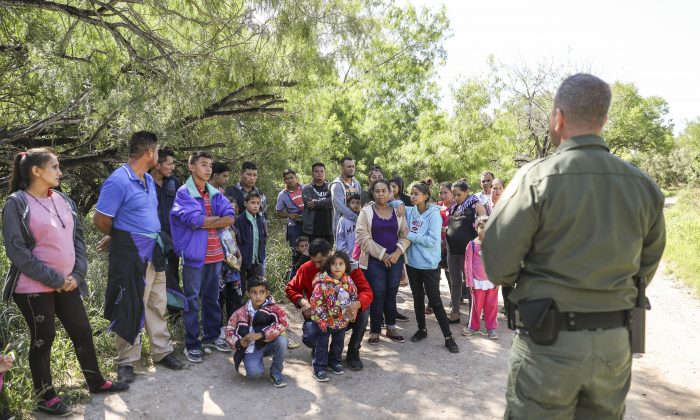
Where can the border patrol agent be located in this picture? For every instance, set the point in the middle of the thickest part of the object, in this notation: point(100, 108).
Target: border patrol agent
point(572, 232)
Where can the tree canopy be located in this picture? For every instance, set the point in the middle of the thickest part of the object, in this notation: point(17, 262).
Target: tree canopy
point(283, 82)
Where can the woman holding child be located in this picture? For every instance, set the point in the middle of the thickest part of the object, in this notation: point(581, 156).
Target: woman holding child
point(381, 233)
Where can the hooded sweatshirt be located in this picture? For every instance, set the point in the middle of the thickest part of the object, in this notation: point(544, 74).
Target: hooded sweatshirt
point(424, 232)
point(340, 193)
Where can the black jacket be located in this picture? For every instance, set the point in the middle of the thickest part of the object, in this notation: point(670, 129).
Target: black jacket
point(244, 237)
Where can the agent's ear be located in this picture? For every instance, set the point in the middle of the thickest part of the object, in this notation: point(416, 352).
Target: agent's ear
point(559, 120)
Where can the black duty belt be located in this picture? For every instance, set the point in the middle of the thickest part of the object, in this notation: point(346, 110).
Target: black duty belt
point(580, 321)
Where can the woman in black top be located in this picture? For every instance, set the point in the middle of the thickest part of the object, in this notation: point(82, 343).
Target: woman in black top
point(460, 230)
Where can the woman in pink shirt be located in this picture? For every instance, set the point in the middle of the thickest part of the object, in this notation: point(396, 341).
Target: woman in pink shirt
point(44, 241)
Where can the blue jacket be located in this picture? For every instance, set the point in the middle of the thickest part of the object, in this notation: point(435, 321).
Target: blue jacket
point(424, 231)
point(187, 218)
point(244, 236)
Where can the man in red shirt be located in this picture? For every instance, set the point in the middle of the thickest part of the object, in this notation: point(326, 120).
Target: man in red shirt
point(300, 287)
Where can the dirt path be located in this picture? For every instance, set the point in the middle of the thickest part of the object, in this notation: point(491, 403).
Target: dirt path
point(415, 380)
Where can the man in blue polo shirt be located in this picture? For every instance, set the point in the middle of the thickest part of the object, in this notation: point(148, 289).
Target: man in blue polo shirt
point(127, 212)
point(290, 205)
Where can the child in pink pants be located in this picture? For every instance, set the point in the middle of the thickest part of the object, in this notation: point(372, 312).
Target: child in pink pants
point(484, 293)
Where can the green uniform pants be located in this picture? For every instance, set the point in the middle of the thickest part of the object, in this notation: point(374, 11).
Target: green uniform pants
point(584, 375)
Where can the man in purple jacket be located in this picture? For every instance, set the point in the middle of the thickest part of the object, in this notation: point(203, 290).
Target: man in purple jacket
point(198, 213)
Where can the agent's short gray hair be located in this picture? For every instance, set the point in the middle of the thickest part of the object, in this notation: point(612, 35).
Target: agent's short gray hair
point(584, 100)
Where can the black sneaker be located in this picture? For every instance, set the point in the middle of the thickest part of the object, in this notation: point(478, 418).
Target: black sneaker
point(401, 317)
point(337, 369)
point(110, 386)
point(321, 376)
point(55, 407)
point(451, 345)
point(125, 374)
point(419, 335)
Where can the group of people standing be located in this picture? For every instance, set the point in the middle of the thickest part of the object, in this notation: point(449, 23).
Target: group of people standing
point(391, 236)
point(154, 223)
point(579, 253)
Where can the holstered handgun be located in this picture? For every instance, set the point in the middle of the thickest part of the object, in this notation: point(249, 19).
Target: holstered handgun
point(637, 322)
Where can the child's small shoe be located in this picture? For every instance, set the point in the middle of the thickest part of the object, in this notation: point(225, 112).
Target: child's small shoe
point(194, 356)
point(492, 334)
point(292, 344)
point(469, 332)
point(337, 369)
point(278, 380)
point(219, 344)
point(321, 376)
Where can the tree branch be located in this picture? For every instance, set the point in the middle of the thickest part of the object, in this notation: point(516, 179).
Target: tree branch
point(35, 128)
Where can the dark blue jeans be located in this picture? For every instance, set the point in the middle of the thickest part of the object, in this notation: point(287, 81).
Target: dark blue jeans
point(384, 282)
point(358, 327)
point(293, 232)
point(201, 283)
point(323, 357)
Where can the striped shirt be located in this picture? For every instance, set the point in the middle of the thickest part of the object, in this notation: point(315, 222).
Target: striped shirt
point(215, 252)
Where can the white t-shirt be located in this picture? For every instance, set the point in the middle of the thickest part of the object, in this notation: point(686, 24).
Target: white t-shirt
point(483, 198)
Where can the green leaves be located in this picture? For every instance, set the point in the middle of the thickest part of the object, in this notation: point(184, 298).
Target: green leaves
point(637, 124)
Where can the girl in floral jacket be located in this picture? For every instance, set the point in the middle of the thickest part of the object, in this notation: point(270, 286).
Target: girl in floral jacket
point(333, 291)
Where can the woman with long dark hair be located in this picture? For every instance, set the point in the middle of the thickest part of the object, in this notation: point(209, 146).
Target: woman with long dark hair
point(423, 257)
point(44, 241)
point(460, 231)
point(381, 233)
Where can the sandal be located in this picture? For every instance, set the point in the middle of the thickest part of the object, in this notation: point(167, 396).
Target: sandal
point(394, 337)
point(373, 339)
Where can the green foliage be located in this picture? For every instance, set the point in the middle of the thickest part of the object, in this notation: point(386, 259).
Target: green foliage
point(637, 124)
point(681, 164)
point(683, 237)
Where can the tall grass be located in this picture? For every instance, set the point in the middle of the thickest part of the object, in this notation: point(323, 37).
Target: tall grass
point(683, 237)
point(18, 395)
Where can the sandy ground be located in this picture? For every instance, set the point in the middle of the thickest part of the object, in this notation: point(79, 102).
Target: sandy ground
point(414, 380)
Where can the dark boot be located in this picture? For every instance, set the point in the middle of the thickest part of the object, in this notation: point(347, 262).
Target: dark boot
point(352, 358)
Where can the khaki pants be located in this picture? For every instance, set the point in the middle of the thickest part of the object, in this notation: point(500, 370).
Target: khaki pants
point(154, 302)
point(584, 375)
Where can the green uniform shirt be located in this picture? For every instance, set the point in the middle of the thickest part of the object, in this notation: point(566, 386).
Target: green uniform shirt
point(576, 226)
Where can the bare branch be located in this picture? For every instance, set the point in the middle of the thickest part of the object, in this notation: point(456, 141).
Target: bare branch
point(37, 127)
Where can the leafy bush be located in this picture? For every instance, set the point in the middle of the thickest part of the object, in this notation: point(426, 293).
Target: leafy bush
point(683, 237)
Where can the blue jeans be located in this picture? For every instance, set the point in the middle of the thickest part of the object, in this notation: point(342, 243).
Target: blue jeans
point(253, 362)
point(384, 282)
point(322, 356)
point(358, 327)
point(293, 232)
point(202, 282)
